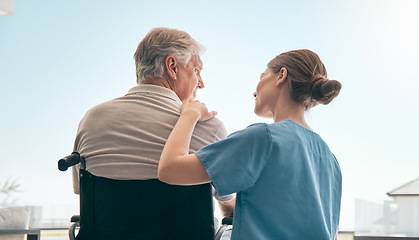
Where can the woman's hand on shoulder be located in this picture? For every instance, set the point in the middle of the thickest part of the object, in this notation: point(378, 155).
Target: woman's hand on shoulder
point(198, 110)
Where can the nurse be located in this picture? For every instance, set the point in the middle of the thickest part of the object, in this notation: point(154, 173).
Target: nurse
point(288, 181)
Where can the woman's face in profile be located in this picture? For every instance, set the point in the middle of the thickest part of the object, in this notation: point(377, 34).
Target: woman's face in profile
point(265, 94)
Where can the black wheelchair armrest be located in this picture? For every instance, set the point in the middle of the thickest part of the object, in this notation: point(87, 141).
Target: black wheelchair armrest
point(227, 221)
point(75, 218)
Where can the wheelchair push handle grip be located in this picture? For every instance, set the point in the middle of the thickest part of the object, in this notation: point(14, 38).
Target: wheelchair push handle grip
point(227, 221)
point(68, 161)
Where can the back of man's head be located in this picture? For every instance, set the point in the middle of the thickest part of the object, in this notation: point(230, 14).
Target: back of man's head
point(159, 43)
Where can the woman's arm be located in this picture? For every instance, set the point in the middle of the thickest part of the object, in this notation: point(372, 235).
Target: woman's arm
point(176, 166)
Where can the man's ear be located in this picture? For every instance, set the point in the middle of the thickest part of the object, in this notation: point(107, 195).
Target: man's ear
point(282, 76)
point(171, 65)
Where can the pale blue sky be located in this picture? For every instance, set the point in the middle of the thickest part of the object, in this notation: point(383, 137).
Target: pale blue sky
point(60, 58)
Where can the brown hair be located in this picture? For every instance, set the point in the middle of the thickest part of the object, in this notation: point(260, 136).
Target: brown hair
point(307, 77)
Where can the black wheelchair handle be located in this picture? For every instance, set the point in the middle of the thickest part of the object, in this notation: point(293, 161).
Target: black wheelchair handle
point(68, 161)
point(227, 221)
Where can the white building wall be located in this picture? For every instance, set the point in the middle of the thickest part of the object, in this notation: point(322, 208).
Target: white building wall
point(7, 7)
point(367, 214)
point(408, 215)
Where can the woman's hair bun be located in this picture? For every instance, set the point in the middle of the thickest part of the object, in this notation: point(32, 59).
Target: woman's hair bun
point(324, 90)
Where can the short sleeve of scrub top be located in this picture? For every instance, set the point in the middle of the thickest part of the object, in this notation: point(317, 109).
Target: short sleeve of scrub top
point(235, 163)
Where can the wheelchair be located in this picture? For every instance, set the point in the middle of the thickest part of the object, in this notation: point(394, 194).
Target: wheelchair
point(111, 209)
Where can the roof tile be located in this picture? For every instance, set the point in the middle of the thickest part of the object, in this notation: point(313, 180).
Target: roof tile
point(408, 189)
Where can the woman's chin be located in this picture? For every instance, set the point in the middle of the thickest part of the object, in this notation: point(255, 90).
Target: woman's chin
point(263, 114)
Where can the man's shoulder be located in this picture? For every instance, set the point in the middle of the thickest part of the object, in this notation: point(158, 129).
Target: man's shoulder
point(103, 107)
point(207, 132)
point(212, 125)
point(212, 122)
point(138, 101)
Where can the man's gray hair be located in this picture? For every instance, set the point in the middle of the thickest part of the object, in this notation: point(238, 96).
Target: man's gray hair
point(159, 43)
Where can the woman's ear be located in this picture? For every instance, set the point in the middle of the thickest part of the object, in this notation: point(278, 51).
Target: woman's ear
point(282, 76)
point(171, 66)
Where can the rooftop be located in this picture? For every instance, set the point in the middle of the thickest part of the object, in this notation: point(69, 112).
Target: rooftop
point(408, 189)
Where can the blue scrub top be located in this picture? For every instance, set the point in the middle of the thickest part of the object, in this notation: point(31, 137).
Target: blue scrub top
point(287, 180)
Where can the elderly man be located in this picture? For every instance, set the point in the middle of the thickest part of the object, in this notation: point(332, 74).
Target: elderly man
point(123, 138)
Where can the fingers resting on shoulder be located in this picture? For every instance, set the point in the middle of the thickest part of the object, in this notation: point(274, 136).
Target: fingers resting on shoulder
point(198, 108)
